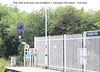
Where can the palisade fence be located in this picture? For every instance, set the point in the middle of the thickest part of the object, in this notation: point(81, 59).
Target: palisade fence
point(64, 52)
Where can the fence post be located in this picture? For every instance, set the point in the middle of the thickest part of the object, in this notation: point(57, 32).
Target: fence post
point(84, 47)
point(64, 52)
point(35, 48)
point(49, 51)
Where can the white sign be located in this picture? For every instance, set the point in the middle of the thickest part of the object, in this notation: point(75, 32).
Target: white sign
point(26, 46)
point(23, 42)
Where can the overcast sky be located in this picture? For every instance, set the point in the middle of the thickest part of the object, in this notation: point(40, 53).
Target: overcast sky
point(87, 4)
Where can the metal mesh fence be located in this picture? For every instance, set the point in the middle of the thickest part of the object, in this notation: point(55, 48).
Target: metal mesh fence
point(40, 46)
point(73, 42)
point(93, 53)
point(56, 52)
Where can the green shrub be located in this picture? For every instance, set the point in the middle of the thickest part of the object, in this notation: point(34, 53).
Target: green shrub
point(4, 63)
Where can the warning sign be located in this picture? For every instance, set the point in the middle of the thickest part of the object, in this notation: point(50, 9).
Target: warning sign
point(26, 46)
point(31, 50)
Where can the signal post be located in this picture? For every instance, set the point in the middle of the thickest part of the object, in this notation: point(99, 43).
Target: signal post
point(29, 53)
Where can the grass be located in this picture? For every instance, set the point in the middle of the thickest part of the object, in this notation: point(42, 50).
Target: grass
point(4, 63)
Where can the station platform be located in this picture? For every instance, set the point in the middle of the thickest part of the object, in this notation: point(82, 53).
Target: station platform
point(27, 69)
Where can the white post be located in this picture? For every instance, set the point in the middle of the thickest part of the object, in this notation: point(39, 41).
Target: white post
point(64, 52)
point(24, 57)
point(46, 47)
point(84, 44)
point(12, 61)
point(15, 61)
point(49, 51)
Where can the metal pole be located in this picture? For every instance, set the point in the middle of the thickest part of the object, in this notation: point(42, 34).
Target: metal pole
point(24, 57)
point(27, 58)
point(46, 47)
point(32, 61)
point(35, 59)
point(84, 51)
point(49, 51)
point(64, 52)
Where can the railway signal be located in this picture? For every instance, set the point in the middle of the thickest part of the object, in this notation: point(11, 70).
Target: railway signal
point(20, 29)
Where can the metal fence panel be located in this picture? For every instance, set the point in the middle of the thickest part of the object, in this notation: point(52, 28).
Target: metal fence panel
point(56, 52)
point(40, 45)
point(93, 54)
point(73, 42)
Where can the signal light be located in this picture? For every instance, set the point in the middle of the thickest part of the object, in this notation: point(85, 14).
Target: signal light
point(20, 33)
point(20, 29)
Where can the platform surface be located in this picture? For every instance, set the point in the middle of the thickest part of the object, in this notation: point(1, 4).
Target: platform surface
point(30, 69)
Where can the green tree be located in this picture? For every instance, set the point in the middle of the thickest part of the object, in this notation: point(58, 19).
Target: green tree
point(3, 26)
point(67, 20)
point(8, 29)
point(88, 20)
point(35, 26)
